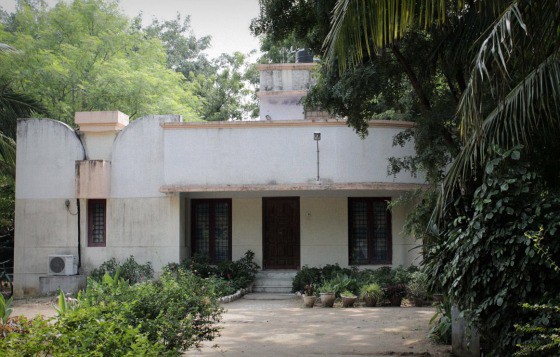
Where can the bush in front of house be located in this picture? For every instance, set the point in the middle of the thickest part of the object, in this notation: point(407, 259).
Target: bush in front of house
point(239, 273)
point(129, 270)
point(113, 318)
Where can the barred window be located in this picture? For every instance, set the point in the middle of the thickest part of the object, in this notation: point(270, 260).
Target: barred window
point(97, 213)
point(369, 226)
point(211, 229)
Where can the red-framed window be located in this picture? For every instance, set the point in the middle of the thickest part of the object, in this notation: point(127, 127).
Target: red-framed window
point(369, 231)
point(211, 228)
point(97, 223)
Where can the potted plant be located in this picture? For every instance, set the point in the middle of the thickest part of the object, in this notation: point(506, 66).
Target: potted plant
point(348, 298)
point(309, 295)
point(395, 293)
point(371, 294)
point(418, 288)
point(327, 293)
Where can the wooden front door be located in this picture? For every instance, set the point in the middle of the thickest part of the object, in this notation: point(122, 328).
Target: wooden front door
point(281, 232)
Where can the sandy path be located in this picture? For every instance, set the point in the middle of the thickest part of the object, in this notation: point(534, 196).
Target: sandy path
point(284, 328)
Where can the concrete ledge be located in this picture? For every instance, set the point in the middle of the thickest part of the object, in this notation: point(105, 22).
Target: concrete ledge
point(69, 284)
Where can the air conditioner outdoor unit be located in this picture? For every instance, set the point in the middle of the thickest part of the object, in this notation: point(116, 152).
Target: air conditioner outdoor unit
point(62, 265)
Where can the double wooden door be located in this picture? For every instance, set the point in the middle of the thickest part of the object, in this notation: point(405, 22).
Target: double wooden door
point(281, 233)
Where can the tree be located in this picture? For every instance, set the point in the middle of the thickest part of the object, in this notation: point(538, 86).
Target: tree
point(86, 56)
point(224, 85)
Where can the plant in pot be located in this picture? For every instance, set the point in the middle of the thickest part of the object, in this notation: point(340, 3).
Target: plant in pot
point(418, 288)
point(348, 298)
point(327, 292)
point(309, 295)
point(395, 293)
point(371, 294)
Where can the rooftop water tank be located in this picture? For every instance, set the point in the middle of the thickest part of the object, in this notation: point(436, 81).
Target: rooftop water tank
point(304, 56)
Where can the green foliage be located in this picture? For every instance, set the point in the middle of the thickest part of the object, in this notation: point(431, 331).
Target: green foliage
point(541, 336)
point(347, 293)
point(129, 270)
point(440, 323)
point(372, 291)
point(418, 286)
point(237, 274)
point(93, 331)
point(5, 309)
point(86, 55)
point(306, 276)
point(484, 260)
point(180, 311)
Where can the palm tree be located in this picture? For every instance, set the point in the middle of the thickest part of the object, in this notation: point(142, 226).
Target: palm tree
point(511, 96)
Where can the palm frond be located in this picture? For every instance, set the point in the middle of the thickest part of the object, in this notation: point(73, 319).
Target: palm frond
point(361, 27)
point(531, 107)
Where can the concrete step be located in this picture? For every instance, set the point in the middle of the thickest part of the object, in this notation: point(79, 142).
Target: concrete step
point(274, 281)
point(272, 289)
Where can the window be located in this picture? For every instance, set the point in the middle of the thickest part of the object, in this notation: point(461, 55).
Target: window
point(211, 229)
point(97, 213)
point(369, 225)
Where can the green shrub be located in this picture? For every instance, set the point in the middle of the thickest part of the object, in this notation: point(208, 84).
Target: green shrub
point(239, 274)
point(541, 335)
point(129, 270)
point(306, 276)
point(418, 286)
point(372, 291)
point(440, 323)
point(180, 310)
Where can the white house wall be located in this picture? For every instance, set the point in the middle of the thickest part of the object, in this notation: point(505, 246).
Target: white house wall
point(46, 154)
point(271, 154)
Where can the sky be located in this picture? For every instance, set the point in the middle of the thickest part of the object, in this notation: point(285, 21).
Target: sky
point(227, 21)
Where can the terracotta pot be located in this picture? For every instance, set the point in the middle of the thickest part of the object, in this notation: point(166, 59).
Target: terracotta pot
point(396, 301)
point(370, 301)
point(327, 299)
point(308, 301)
point(348, 301)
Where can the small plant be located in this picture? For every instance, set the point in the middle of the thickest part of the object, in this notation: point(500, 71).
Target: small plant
point(372, 291)
point(306, 276)
point(129, 270)
point(440, 330)
point(395, 293)
point(328, 288)
point(309, 290)
point(418, 287)
point(347, 293)
point(5, 309)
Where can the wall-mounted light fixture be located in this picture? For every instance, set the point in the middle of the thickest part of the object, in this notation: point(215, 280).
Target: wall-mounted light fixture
point(268, 117)
point(317, 138)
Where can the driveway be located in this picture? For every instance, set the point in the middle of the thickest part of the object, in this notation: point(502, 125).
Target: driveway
point(275, 325)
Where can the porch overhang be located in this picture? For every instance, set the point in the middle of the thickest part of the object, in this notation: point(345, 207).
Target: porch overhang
point(357, 186)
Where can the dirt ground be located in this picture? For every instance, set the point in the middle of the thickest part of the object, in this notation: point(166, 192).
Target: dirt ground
point(267, 325)
point(257, 327)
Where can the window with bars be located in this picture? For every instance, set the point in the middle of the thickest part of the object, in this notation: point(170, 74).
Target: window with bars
point(211, 228)
point(369, 236)
point(97, 213)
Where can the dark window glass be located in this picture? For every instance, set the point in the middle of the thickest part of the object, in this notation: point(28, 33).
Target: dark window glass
point(369, 225)
point(97, 213)
point(211, 229)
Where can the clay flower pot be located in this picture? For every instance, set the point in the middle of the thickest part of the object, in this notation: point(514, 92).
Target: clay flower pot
point(327, 299)
point(370, 301)
point(308, 301)
point(348, 301)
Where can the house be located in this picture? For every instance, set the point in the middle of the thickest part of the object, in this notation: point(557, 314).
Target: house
point(295, 188)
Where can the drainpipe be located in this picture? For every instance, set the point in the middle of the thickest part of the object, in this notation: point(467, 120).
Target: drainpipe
point(79, 237)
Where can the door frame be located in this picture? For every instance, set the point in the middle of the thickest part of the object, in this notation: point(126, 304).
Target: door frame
point(298, 238)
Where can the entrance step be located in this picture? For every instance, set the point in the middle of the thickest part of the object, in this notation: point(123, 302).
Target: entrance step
point(274, 281)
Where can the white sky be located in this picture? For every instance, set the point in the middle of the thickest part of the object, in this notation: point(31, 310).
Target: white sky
point(227, 21)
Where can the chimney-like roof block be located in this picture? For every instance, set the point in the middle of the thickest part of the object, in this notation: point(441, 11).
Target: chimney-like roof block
point(101, 121)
